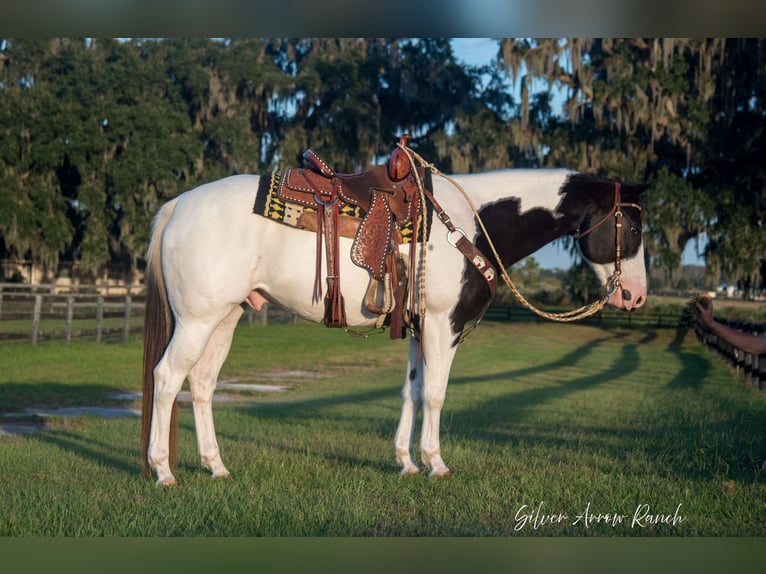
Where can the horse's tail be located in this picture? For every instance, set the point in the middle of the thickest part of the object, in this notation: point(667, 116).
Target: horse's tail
point(158, 328)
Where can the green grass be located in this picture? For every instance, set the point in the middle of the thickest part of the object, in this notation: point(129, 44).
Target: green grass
point(567, 416)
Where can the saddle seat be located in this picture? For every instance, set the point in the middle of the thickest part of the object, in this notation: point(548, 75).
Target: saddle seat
point(388, 198)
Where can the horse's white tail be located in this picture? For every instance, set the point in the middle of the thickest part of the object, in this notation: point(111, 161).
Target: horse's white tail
point(158, 328)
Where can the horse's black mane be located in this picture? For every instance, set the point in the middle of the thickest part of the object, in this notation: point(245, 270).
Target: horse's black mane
point(579, 182)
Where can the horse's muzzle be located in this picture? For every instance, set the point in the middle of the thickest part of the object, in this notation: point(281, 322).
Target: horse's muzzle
point(628, 299)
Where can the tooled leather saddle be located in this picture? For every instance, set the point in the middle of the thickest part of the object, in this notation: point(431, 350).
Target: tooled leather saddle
point(388, 200)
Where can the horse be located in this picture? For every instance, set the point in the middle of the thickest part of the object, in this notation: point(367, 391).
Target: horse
point(210, 257)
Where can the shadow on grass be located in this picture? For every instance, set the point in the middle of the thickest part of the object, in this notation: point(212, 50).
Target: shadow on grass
point(16, 397)
point(694, 369)
point(567, 360)
point(689, 427)
point(99, 452)
point(516, 406)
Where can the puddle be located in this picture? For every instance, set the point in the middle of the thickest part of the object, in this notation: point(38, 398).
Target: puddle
point(185, 396)
point(225, 385)
point(288, 375)
point(9, 428)
point(105, 412)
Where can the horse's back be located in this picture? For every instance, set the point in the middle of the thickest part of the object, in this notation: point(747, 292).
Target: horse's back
point(228, 196)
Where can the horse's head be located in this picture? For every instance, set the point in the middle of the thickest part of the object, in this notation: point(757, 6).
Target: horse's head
point(610, 240)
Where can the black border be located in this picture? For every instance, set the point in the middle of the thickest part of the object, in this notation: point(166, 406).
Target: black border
point(380, 555)
point(399, 18)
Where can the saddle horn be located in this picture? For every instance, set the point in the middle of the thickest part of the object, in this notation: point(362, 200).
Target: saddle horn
point(399, 167)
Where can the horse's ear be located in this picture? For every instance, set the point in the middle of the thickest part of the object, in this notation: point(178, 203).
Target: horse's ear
point(640, 188)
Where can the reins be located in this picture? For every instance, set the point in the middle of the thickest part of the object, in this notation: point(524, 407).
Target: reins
point(567, 316)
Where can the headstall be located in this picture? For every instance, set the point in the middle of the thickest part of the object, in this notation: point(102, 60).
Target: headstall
point(616, 210)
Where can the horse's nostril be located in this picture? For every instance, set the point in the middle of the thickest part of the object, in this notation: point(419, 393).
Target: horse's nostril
point(626, 296)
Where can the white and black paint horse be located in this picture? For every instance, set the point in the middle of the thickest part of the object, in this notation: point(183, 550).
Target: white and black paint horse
point(209, 254)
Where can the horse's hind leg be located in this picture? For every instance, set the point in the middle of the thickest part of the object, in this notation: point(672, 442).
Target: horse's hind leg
point(189, 340)
point(202, 381)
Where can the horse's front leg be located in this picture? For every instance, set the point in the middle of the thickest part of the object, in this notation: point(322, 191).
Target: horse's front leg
point(411, 401)
point(439, 353)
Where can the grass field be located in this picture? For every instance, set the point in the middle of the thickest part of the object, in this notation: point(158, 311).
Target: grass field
point(550, 430)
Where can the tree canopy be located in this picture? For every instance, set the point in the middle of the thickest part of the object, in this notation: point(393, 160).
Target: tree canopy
point(95, 134)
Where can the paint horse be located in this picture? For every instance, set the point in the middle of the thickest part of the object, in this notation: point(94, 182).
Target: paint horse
point(210, 256)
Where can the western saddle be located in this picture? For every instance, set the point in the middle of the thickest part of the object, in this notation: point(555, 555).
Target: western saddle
point(388, 198)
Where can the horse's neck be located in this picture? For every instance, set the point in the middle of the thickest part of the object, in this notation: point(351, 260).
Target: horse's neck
point(519, 209)
point(535, 188)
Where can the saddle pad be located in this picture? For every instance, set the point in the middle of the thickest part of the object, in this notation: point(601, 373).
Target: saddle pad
point(268, 204)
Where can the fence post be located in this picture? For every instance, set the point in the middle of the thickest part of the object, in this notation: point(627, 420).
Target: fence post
point(69, 314)
point(36, 318)
point(99, 317)
point(126, 321)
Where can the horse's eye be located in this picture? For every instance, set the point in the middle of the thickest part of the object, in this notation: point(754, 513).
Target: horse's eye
point(634, 230)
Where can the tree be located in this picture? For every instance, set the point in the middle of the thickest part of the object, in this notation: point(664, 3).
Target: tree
point(679, 212)
point(33, 221)
point(732, 168)
point(96, 134)
point(581, 284)
point(684, 113)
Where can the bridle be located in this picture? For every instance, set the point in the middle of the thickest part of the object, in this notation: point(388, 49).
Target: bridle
point(614, 280)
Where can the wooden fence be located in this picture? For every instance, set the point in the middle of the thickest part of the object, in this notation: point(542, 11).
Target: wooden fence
point(752, 368)
point(608, 317)
point(41, 312)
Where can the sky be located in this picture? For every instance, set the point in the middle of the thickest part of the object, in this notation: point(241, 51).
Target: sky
point(479, 51)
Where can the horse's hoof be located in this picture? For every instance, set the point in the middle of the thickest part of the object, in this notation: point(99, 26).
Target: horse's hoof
point(410, 471)
point(171, 481)
point(221, 474)
point(440, 473)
